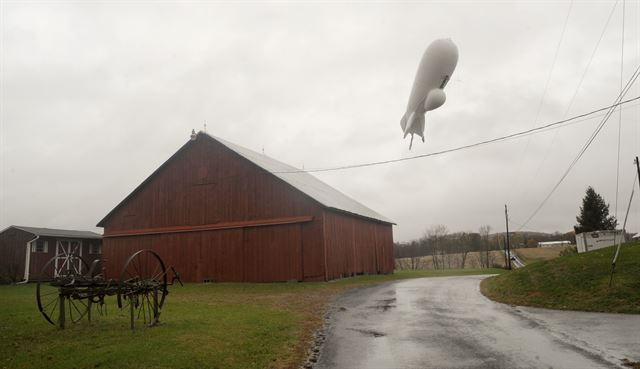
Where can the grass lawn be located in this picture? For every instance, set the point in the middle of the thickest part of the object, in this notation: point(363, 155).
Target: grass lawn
point(220, 325)
point(574, 282)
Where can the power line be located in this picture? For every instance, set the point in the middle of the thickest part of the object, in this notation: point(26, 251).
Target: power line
point(464, 147)
point(590, 140)
point(555, 59)
point(593, 54)
point(546, 85)
point(620, 112)
point(520, 225)
point(586, 145)
point(575, 93)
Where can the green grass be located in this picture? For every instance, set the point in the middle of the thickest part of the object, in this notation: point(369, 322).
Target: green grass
point(574, 282)
point(222, 325)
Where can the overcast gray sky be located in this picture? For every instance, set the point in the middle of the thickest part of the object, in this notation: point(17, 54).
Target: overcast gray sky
point(96, 95)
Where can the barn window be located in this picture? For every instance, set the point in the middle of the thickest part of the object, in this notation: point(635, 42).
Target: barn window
point(40, 246)
point(95, 248)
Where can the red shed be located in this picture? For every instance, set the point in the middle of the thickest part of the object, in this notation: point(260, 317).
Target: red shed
point(25, 250)
point(220, 212)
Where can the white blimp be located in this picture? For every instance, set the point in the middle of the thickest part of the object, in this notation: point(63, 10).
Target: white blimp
point(435, 69)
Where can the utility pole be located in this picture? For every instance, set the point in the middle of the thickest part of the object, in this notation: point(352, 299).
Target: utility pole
point(506, 218)
point(504, 251)
point(624, 227)
point(638, 169)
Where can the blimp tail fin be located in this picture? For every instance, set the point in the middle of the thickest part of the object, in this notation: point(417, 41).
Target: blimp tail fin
point(419, 126)
point(407, 123)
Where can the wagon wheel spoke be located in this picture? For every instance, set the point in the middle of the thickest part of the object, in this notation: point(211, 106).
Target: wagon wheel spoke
point(49, 293)
point(49, 287)
point(70, 310)
point(156, 276)
point(145, 313)
point(52, 312)
point(155, 273)
point(150, 310)
point(141, 307)
point(144, 274)
point(80, 309)
point(51, 302)
point(130, 275)
point(101, 307)
point(138, 306)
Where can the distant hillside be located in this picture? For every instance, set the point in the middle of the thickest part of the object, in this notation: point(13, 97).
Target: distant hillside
point(573, 282)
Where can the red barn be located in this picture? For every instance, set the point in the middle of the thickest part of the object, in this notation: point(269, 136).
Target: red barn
point(220, 212)
point(25, 250)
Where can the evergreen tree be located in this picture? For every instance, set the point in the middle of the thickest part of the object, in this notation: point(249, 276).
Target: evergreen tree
point(594, 214)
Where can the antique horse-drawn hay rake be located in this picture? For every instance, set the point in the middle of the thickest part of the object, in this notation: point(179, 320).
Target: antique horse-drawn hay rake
point(69, 287)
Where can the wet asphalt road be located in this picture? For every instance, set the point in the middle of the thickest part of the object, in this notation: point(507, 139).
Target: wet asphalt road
point(447, 323)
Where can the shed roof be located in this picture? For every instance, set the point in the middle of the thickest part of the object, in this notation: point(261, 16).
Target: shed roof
point(302, 181)
point(65, 233)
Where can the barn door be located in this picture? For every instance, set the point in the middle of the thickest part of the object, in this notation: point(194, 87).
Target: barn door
point(67, 256)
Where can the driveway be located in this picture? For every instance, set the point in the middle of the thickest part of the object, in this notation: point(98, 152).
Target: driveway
point(447, 323)
point(515, 260)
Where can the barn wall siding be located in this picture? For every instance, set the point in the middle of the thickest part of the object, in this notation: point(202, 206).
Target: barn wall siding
point(357, 246)
point(39, 259)
point(257, 254)
point(384, 247)
point(312, 245)
point(206, 184)
point(12, 253)
point(272, 254)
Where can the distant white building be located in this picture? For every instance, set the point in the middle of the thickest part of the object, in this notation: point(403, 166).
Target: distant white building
point(553, 243)
point(588, 241)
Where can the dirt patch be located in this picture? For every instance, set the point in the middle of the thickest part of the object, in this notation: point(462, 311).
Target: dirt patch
point(541, 253)
point(368, 332)
point(631, 364)
point(384, 305)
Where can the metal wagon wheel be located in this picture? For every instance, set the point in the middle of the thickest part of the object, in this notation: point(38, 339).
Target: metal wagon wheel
point(55, 288)
point(143, 287)
point(95, 296)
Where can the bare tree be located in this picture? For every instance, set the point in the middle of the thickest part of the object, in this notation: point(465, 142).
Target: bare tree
point(485, 231)
point(435, 235)
point(465, 245)
point(430, 247)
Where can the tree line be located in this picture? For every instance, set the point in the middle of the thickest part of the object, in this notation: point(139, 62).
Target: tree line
point(443, 249)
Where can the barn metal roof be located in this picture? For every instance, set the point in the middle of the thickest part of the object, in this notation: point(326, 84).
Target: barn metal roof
point(304, 182)
point(64, 233)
